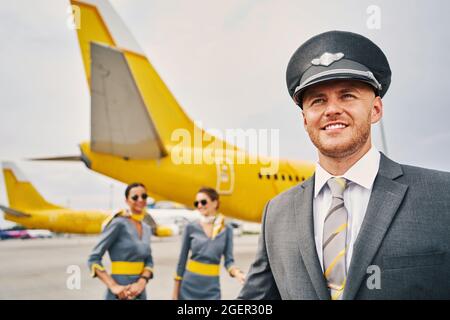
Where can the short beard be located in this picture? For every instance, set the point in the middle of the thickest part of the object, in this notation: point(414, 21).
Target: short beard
point(339, 152)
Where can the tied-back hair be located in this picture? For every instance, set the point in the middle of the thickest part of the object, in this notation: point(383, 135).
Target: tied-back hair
point(131, 186)
point(211, 193)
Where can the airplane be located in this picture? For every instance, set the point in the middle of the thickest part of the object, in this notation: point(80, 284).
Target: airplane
point(139, 132)
point(28, 208)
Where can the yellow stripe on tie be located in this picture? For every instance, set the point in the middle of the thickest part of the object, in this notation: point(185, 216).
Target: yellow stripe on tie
point(331, 266)
point(205, 269)
point(337, 295)
point(339, 289)
point(341, 181)
point(340, 228)
point(127, 267)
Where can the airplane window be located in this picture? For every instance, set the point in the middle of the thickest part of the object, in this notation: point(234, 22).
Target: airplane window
point(282, 177)
point(276, 177)
point(296, 178)
point(303, 178)
point(259, 175)
point(268, 176)
point(290, 178)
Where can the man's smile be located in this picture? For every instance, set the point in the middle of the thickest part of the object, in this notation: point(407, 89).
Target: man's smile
point(334, 126)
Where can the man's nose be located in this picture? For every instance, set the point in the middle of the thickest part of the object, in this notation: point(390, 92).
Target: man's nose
point(332, 108)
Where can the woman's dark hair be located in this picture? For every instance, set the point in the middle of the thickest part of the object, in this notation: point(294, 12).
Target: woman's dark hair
point(131, 186)
point(211, 193)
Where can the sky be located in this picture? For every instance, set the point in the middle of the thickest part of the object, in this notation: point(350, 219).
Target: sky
point(225, 63)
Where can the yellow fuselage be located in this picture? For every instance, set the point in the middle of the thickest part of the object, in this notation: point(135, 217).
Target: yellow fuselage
point(62, 220)
point(244, 192)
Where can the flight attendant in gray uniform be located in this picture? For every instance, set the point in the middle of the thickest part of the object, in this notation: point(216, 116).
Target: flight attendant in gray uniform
point(127, 240)
point(208, 240)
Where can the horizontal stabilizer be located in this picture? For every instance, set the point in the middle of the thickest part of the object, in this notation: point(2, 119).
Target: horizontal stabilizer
point(62, 158)
point(81, 158)
point(15, 213)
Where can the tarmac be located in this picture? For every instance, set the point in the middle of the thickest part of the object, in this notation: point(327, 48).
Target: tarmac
point(56, 268)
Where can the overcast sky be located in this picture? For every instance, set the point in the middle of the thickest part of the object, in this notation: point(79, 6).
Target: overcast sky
point(225, 62)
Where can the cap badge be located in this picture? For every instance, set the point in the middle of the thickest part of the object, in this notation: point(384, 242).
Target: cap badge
point(327, 58)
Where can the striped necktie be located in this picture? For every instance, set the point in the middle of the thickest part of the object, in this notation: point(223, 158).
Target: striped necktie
point(334, 239)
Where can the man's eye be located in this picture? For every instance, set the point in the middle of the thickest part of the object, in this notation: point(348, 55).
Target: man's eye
point(317, 101)
point(348, 96)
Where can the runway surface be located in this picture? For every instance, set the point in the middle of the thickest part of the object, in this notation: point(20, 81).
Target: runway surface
point(49, 268)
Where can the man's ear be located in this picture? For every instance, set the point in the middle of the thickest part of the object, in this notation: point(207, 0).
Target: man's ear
point(377, 110)
point(304, 119)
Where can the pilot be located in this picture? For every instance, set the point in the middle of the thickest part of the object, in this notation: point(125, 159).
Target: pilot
point(127, 240)
point(208, 240)
point(361, 216)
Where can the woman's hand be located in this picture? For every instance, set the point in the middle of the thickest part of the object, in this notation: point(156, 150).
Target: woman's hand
point(136, 288)
point(176, 290)
point(120, 291)
point(240, 276)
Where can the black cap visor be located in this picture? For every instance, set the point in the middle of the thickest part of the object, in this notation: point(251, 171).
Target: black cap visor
point(348, 70)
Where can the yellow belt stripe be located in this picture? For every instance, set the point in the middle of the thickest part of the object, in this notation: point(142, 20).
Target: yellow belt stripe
point(127, 267)
point(204, 269)
point(331, 266)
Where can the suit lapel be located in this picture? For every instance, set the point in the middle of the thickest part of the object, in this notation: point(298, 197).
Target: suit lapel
point(385, 199)
point(305, 237)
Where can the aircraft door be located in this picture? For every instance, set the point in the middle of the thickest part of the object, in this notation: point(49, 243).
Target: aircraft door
point(225, 177)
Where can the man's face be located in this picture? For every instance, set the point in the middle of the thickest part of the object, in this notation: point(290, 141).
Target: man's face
point(338, 115)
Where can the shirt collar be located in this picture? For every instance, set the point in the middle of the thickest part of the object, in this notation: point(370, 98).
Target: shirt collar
point(363, 172)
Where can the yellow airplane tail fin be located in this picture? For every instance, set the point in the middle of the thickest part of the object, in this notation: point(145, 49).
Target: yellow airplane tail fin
point(133, 113)
point(22, 195)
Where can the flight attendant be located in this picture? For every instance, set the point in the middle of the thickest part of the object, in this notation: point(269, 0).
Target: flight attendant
point(209, 239)
point(127, 240)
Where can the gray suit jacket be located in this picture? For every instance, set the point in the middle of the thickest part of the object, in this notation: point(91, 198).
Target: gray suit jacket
point(405, 233)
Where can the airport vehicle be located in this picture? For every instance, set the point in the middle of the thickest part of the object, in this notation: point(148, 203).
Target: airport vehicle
point(14, 234)
point(19, 232)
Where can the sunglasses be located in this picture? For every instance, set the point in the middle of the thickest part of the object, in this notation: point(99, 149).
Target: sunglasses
point(203, 202)
point(143, 196)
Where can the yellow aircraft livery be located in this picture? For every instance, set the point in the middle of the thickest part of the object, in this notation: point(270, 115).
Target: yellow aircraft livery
point(139, 132)
point(28, 208)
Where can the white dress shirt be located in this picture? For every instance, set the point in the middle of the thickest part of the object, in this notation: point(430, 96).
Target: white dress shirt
point(356, 199)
